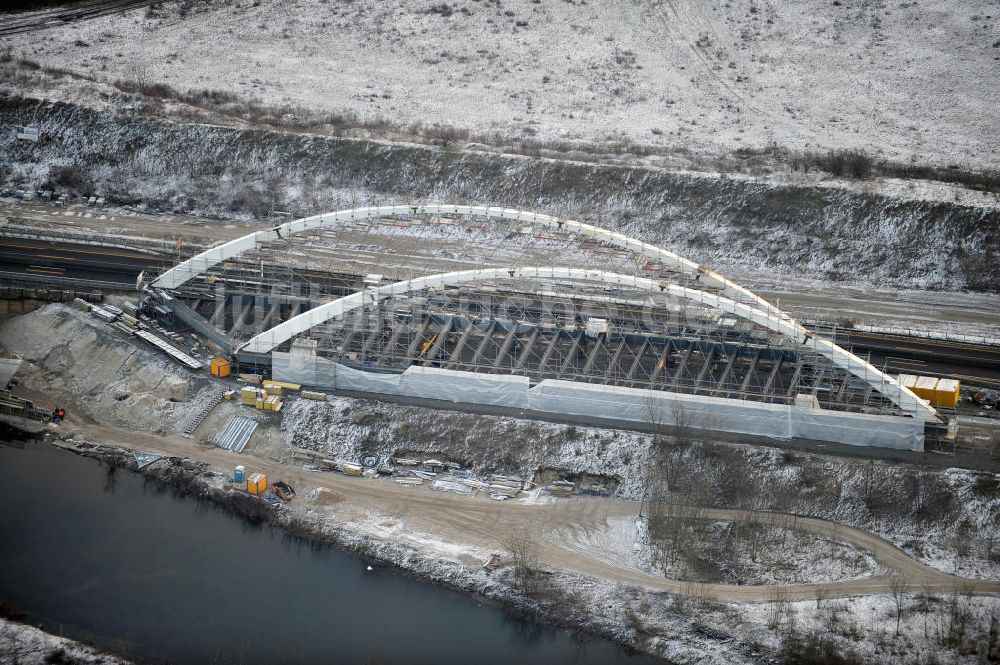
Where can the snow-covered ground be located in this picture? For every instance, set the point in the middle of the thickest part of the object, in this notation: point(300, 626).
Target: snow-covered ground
point(910, 81)
point(947, 519)
point(22, 644)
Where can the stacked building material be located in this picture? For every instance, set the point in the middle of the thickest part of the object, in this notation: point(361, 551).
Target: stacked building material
point(236, 434)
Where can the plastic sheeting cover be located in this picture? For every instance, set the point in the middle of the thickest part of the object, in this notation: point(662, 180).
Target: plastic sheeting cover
point(455, 386)
point(423, 382)
point(777, 421)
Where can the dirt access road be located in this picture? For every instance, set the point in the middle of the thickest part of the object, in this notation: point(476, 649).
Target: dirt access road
point(478, 523)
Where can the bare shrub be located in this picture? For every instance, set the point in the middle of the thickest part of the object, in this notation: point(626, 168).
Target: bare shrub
point(898, 587)
point(522, 549)
point(72, 177)
point(809, 648)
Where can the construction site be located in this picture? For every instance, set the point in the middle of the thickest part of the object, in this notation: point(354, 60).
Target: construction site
point(499, 331)
point(533, 314)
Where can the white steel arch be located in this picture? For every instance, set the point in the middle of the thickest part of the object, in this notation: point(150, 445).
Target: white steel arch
point(191, 268)
point(268, 340)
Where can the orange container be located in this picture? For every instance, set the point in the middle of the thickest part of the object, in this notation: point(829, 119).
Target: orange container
point(219, 367)
point(257, 483)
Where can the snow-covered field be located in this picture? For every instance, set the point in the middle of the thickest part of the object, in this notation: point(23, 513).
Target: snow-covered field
point(740, 227)
point(909, 81)
point(947, 519)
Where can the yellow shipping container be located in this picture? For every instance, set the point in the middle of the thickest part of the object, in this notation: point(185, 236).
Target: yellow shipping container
point(257, 483)
point(925, 387)
point(946, 393)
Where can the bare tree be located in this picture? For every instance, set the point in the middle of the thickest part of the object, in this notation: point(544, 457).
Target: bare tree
point(778, 607)
point(682, 420)
point(898, 587)
point(523, 552)
point(673, 530)
point(654, 417)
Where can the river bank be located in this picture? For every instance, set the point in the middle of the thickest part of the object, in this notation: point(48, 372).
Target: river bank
point(27, 645)
point(159, 595)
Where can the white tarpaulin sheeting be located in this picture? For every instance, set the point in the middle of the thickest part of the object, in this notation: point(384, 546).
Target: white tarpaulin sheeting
point(650, 407)
point(778, 421)
point(656, 407)
point(471, 387)
point(424, 382)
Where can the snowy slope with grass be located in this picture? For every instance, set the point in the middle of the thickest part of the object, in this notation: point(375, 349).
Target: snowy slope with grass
point(909, 81)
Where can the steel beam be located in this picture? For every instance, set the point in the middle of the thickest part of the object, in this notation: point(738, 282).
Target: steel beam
point(505, 347)
point(571, 356)
point(772, 377)
point(638, 359)
point(487, 338)
point(456, 353)
point(661, 364)
point(705, 367)
point(527, 349)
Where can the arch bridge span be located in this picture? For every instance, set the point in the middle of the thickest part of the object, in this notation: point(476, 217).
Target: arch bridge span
point(196, 265)
point(704, 287)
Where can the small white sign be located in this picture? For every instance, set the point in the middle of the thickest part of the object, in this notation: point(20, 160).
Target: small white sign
point(28, 133)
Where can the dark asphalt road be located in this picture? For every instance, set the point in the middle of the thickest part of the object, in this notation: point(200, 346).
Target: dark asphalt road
point(40, 258)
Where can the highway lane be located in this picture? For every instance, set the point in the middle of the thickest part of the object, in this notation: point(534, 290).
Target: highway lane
point(972, 364)
point(46, 258)
point(30, 21)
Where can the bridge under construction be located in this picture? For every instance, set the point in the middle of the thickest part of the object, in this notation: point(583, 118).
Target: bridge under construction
point(534, 313)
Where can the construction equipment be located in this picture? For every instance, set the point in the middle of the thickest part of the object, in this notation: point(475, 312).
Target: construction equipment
point(426, 346)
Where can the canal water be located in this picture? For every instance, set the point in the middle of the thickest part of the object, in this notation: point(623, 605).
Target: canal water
point(109, 559)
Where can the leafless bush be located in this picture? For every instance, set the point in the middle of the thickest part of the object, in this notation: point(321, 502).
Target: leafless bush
point(673, 531)
point(778, 608)
point(809, 648)
point(522, 550)
point(898, 587)
point(71, 177)
point(147, 88)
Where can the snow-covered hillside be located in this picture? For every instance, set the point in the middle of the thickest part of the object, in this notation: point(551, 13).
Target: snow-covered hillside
point(741, 226)
point(910, 81)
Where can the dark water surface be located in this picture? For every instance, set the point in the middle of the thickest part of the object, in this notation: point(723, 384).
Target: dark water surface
point(110, 559)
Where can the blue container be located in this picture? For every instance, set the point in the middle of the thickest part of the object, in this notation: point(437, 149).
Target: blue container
point(238, 475)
